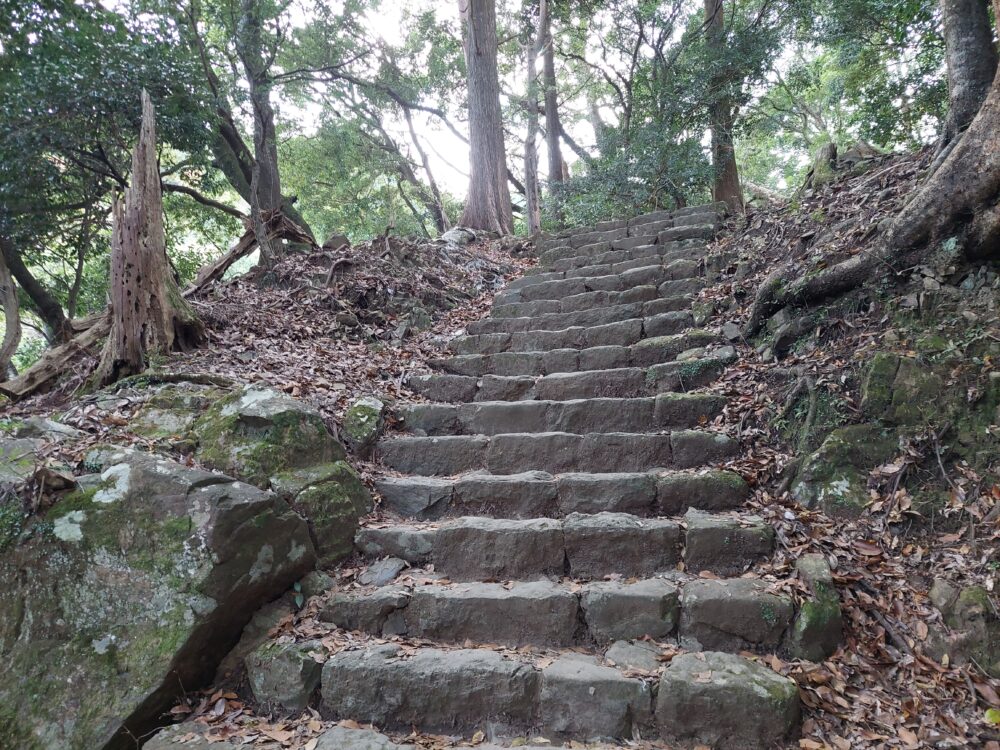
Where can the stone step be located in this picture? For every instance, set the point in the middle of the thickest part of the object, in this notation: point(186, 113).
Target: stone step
point(621, 333)
point(540, 494)
point(689, 232)
point(644, 293)
point(555, 452)
point(542, 287)
point(722, 699)
point(719, 208)
point(727, 614)
point(580, 416)
point(645, 353)
point(686, 249)
point(595, 316)
point(583, 546)
point(623, 382)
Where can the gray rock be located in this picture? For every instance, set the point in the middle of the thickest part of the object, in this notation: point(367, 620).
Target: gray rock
point(538, 612)
point(725, 701)
point(156, 573)
point(581, 698)
point(437, 690)
point(731, 331)
point(381, 572)
point(459, 236)
point(725, 545)
point(618, 611)
point(342, 738)
point(479, 548)
point(604, 543)
point(733, 615)
point(284, 676)
point(46, 429)
point(416, 497)
point(634, 655)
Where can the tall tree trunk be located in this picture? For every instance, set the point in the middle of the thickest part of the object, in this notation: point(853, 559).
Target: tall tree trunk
point(231, 154)
point(47, 306)
point(532, 191)
point(971, 58)
point(726, 186)
point(12, 319)
point(488, 204)
point(265, 182)
point(553, 128)
point(441, 220)
point(148, 313)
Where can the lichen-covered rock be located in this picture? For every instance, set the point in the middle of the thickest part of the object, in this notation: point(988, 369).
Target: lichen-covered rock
point(725, 701)
point(257, 432)
point(901, 391)
point(835, 477)
point(17, 459)
point(363, 423)
point(817, 629)
point(128, 593)
point(974, 627)
point(46, 429)
point(171, 409)
point(278, 443)
point(284, 676)
point(332, 497)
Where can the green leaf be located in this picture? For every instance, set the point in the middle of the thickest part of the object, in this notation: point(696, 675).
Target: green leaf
point(993, 716)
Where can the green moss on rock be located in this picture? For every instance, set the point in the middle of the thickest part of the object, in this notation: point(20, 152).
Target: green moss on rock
point(256, 433)
point(835, 476)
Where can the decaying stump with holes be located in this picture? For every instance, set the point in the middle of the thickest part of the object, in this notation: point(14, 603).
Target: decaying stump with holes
point(149, 315)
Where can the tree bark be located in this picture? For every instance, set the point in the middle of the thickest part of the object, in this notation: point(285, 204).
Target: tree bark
point(553, 128)
point(148, 313)
point(532, 191)
point(726, 186)
point(971, 59)
point(231, 154)
point(441, 220)
point(12, 319)
point(961, 199)
point(47, 306)
point(265, 182)
point(488, 205)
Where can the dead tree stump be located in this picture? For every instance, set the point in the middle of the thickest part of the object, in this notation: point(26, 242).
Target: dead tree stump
point(149, 315)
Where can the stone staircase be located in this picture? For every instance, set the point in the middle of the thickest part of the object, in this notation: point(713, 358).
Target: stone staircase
point(556, 504)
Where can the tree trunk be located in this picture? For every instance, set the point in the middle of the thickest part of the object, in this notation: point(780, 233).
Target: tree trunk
point(47, 306)
point(532, 192)
point(441, 220)
point(148, 313)
point(553, 128)
point(487, 206)
point(961, 199)
point(726, 185)
point(265, 182)
point(971, 59)
point(230, 153)
point(12, 319)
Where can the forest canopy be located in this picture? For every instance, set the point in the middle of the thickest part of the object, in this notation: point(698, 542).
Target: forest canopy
point(358, 117)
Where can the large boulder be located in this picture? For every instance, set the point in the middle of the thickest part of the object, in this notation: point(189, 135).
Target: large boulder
point(129, 592)
point(835, 477)
point(276, 442)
